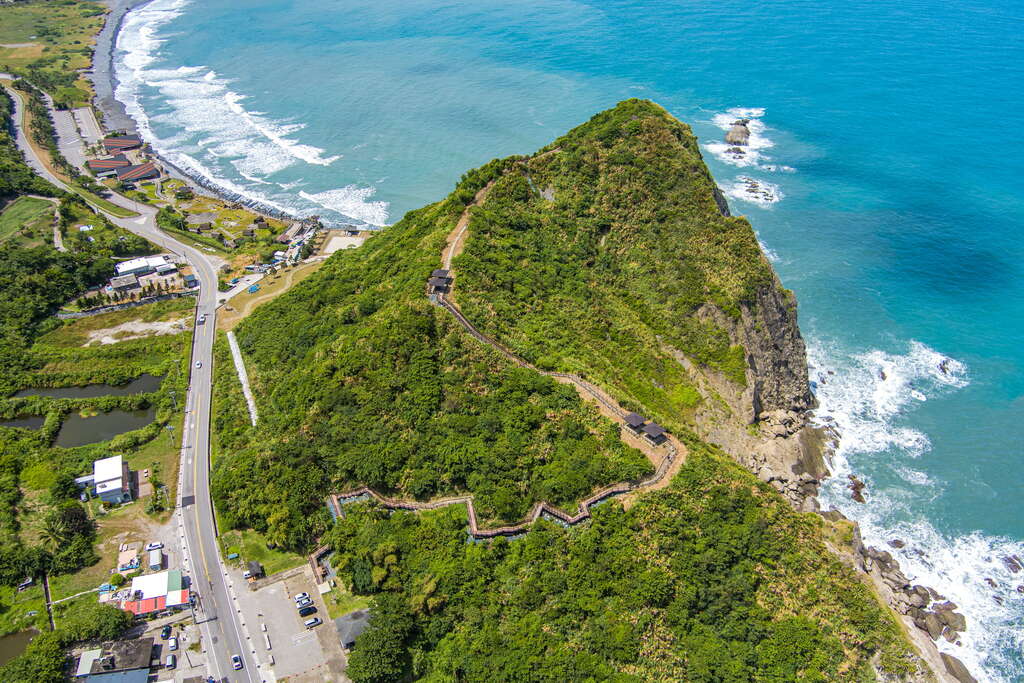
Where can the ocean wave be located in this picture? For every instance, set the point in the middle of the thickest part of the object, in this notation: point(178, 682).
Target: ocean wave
point(752, 190)
point(352, 201)
point(865, 399)
point(217, 138)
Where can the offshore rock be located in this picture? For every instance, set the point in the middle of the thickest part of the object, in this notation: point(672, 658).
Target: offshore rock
point(739, 134)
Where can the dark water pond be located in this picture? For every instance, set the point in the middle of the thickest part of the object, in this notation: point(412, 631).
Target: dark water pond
point(78, 431)
point(27, 422)
point(143, 384)
point(14, 644)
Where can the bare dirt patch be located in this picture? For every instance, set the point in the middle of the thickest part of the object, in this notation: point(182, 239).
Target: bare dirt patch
point(339, 242)
point(136, 329)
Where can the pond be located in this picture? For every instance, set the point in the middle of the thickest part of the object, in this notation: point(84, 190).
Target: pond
point(14, 644)
point(143, 384)
point(78, 431)
point(26, 422)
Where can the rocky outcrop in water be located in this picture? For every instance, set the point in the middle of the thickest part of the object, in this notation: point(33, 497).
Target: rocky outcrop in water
point(739, 133)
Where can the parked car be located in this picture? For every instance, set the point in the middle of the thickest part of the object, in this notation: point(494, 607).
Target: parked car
point(155, 545)
point(312, 623)
point(172, 661)
point(301, 596)
point(236, 662)
point(172, 644)
point(305, 602)
point(165, 632)
point(306, 611)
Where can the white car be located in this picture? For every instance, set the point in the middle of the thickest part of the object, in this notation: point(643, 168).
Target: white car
point(199, 363)
point(172, 644)
point(236, 662)
point(300, 597)
point(155, 545)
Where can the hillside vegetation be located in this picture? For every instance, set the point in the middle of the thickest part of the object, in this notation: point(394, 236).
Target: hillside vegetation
point(597, 255)
point(713, 579)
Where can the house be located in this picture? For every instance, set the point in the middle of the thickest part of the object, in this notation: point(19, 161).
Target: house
point(248, 232)
point(107, 167)
point(654, 434)
point(165, 268)
point(438, 285)
point(120, 143)
point(119, 661)
point(441, 273)
point(156, 593)
point(141, 265)
point(112, 479)
point(129, 174)
point(635, 423)
point(351, 625)
point(191, 281)
point(123, 283)
point(254, 571)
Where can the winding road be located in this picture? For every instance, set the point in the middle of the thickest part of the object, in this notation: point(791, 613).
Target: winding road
point(218, 617)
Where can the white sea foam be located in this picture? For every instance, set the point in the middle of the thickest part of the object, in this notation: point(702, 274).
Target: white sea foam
point(867, 399)
point(352, 201)
point(752, 154)
point(753, 190)
point(218, 137)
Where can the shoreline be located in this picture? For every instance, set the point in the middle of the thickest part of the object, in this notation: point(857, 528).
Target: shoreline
point(114, 115)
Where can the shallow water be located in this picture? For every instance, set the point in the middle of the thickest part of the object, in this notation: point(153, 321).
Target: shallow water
point(13, 644)
point(143, 384)
point(79, 431)
point(27, 422)
point(881, 182)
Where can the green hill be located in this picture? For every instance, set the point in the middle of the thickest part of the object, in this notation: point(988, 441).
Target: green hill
point(608, 254)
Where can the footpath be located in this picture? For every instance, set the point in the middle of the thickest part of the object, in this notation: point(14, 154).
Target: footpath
point(667, 457)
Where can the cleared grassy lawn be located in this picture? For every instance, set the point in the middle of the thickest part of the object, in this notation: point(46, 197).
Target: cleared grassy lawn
point(15, 607)
point(250, 545)
point(75, 333)
point(30, 212)
point(340, 602)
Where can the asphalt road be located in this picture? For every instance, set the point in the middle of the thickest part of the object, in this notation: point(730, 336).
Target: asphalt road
point(216, 611)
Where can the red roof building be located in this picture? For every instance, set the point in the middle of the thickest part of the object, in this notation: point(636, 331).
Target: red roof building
point(109, 164)
point(140, 172)
point(122, 142)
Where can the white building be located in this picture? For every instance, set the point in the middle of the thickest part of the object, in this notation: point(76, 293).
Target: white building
point(141, 265)
point(111, 478)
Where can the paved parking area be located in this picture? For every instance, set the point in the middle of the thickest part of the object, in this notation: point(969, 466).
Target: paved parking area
point(300, 655)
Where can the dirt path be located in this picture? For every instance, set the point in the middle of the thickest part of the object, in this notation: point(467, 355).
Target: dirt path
point(667, 457)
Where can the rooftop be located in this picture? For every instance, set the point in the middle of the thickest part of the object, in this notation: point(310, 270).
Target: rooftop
point(351, 625)
point(654, 430)
point(635, 420)
point(119, 656)
point(107, 469)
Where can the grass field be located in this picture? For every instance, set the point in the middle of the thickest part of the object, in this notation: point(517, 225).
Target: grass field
point(74, 333)
point(57, 36)
point(25, 212)
point(340, 602)
point(250, 545)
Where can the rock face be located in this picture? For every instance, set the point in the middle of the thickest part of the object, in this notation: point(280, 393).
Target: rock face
point(739, 133)
point(957, 669)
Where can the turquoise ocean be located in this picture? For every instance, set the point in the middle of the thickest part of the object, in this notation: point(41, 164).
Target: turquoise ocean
point(883, 180)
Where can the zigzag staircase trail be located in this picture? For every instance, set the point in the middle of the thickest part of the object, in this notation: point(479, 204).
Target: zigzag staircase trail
point(673, 452)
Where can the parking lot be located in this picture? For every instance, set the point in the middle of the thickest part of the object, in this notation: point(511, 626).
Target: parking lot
point(300, 654)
